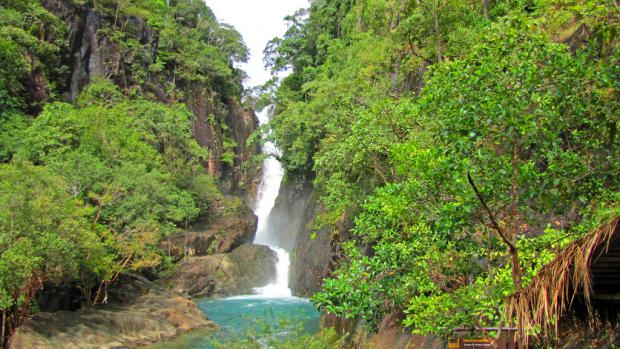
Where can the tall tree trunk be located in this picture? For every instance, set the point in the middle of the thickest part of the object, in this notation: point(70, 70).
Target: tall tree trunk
point(485, 8)
point(360, 16)
point(118, 6)
point(516, 267)
point(437, 31)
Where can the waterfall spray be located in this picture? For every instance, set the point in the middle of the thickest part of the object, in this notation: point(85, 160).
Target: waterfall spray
point(267, 194)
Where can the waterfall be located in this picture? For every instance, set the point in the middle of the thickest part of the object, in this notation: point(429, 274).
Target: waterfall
point(267, 194)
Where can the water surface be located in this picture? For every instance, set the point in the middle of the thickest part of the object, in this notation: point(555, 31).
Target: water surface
point(249, 316)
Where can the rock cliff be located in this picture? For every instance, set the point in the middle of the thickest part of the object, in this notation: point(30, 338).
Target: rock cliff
point(220, 123)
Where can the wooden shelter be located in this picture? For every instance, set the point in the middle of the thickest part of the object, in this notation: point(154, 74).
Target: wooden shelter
point(583, 279)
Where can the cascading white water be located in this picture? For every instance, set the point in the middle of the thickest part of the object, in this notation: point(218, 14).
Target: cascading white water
point(267, 194)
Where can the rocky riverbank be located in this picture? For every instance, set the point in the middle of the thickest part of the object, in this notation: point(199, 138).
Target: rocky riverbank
point(220, 262)
point(139, 312)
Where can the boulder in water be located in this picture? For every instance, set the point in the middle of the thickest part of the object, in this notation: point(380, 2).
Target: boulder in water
point(234, 273)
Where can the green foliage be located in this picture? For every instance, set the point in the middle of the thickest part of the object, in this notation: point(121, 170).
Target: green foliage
point(535, 92)
point(30, 42)
point(391, 104)
point(189, 46)
point(133, 159)
point(12, 124)
point(31, 38)
point(113, 177)
point(44, 234)
point(481, 302)
point(196, 48)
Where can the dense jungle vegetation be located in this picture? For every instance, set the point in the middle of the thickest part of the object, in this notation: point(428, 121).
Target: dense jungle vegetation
point(465, 141)
point(88, 187)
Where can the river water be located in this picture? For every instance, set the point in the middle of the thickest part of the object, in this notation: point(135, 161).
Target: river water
point(271, 311)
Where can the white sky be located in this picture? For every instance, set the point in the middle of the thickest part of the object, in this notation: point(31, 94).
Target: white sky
point(258, 21)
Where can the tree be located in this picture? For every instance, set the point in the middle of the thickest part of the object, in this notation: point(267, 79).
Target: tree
point(135, 163)
point(45, 235)
point(504, 153)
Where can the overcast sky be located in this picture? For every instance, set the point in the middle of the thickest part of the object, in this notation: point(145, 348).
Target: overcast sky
point(258, 21)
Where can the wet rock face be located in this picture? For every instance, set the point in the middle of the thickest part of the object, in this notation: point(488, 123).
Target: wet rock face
point(206, 133)
point(313, 252)
point(229, 274)
point(92, 54)
point(311, 260)
point(292, 211)
point(139, 312)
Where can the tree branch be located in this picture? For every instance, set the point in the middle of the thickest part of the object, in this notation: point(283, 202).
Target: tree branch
point(494, 223)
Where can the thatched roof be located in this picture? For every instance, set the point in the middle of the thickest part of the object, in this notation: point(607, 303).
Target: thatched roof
point(586, 269)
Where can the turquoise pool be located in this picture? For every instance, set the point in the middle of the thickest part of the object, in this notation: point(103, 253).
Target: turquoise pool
point(247, 317)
